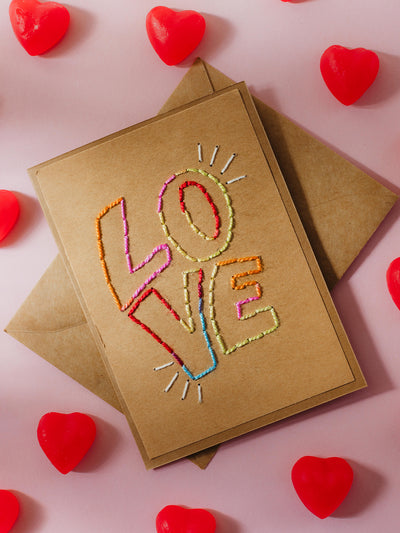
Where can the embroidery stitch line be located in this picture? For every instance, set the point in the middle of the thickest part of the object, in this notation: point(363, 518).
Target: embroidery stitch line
point(182, 187)
point(153, 275)
point(160, 196)
point(126, 234)
point(248, 300)
point(101, 250)
point(247, 283)
point(190, 327)
point(176, 316)
point(150, 331)
point(213, 320)
point(205, 334)
point(230, 214)
point(131, 269)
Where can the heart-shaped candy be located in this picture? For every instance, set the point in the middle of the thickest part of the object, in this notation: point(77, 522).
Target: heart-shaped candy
point(66, 438)
point(322, 484)
point(176, 519)
point(38, 26)
point(9, 212)
point(174, 35)
point(9, 510)
point(348, 72)
point(393, 280)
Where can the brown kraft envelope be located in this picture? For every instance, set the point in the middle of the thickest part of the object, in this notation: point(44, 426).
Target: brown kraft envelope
point(196, 277)
point(337, 232)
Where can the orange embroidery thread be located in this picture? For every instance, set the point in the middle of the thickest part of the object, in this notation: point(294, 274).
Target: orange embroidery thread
point(101, 250)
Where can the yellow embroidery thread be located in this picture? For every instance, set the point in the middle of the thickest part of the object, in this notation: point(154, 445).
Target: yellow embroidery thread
point(225, 350)
point(230, 215)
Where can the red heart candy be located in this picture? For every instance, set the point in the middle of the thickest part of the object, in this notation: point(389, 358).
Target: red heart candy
point(176, 519)
point(322, 484)
point(393, 280)
point(38, 27)
point(9, 510)
point(66, 438)
point(174, 35)
point(348, 73)
point(9, 212)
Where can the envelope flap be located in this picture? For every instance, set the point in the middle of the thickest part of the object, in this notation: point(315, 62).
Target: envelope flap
point(329, 192)
point(194, 85)
point(52, 305)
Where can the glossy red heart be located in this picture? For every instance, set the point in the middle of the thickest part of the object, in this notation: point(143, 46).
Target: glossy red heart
point(393, 280)
point(9, 510)
point(322, 484)
point(66, 438)
point(9, 212)
point(38, 26)
point(174, 35)
point(176, 519)
point(348, 72)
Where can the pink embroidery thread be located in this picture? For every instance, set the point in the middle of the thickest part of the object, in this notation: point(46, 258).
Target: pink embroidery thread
point(243, 302)
point(131, 269)
point(160, 196)
point(245, 284)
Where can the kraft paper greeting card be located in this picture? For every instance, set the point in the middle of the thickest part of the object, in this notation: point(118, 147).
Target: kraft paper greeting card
point(196, 277)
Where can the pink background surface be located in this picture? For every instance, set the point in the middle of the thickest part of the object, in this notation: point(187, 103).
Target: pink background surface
point(105, 76)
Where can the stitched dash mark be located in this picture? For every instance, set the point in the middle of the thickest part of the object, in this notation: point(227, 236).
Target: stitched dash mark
point(200, 152)
point(163, 366)
point(214, 155)
point(199, 393)
point(228, 163)
point(168, 387)
point(236, 179)
point(185, 390)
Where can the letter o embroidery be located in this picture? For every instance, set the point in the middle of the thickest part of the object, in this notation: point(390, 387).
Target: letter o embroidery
point(188, 183)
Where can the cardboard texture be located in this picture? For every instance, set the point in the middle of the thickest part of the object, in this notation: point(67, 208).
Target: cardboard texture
point(338, 226)
point(173, 249)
